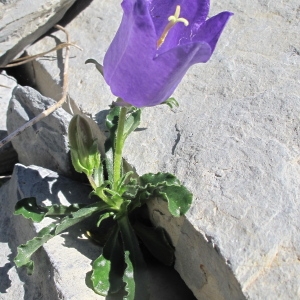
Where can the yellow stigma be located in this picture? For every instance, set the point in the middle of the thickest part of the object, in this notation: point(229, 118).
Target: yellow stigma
point(172, 21)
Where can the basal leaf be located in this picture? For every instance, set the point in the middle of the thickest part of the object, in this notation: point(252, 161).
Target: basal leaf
point(169, 188)
point(100, 275)
point(108, 269)
point(128, 278)
point(179, 199)
point(80, 215)
point(25, 251)
point(29, 209)
point(159, 179)
point(131, 245)
point(157, 242)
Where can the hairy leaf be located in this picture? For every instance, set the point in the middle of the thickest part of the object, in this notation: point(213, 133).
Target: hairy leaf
point(26, 250)
point(168, 187)
point(129, 278)
point(131, 245)
point(157, 242)
point(29, 209)
point(108, 269)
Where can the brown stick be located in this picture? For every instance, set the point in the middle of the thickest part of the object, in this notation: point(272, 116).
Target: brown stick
point(51, 109)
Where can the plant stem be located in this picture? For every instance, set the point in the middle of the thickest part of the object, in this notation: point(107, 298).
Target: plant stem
point(119, 146)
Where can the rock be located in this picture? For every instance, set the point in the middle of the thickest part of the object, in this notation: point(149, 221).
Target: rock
point(234, 142)
point(67, 257)
point(23, 22)
point(8, 156)
point(46, 142)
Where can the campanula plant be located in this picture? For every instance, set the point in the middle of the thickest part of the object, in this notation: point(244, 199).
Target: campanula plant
point(155, 45)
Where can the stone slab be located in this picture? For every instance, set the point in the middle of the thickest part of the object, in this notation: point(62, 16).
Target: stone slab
point(45, 143)
point(24, 21)
point(234, 141)
point(8, 156)
point(63, 262)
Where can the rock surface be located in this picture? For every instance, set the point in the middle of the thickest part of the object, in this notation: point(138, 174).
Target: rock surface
point(22, 22)
point(46, 142)
point(8, 156)
point(67, 257)
point(234, 141)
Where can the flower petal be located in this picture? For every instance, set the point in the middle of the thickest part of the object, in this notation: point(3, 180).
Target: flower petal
point(134, 38)
point(195, 11)
point(211, 30)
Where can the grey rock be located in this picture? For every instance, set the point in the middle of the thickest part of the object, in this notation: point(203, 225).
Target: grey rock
point(234, 142)
point(8, 156)
point(22, 22)
point(45, 143)
point(63, 262)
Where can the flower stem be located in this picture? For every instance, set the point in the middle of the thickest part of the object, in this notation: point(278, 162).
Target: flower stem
point(119, 147)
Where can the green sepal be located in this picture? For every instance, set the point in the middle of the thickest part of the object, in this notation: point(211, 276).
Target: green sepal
point(171, 102)
point(157, 241)
point(108, 268)
point(25, 251)
point(128, 278)
point(167, 187)
point(29, 209)
point(99, 67)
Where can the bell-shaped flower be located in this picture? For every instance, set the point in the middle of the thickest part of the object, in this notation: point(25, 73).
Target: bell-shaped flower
point(156, 43)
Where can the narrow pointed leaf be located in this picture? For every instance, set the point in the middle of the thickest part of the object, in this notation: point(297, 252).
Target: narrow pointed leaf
point(131, 245)
point(25, 251)
point(128, 278)
point(80, 215)
point(108, 269)
point(157, 242)
point(132, 121)
point(29, 209)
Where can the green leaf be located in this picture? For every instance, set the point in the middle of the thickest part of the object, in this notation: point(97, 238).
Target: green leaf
point(80, 215)
point(179, 199)
point(26, 250)
point(29, 209)
point(128, 278)
point(157, 242)
point(159, 179)
point(168, 187)
point(131, 245)
point(100, 275)
point(108, 269)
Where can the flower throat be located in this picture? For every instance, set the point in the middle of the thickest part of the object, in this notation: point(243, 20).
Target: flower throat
point(172, 21)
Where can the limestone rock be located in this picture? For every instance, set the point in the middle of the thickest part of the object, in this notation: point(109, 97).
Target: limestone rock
point(8, 156)
point(234, 142)
point(45, 143)
point(22, 22)
point(67, 257)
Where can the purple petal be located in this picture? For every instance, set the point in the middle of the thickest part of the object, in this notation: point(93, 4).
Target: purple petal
point(195, 11)
point(211, 30)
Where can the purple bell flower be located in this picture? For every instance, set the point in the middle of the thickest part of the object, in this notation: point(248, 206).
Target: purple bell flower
point(156, 43)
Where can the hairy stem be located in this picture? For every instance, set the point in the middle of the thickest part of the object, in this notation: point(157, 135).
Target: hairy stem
point(119, 147)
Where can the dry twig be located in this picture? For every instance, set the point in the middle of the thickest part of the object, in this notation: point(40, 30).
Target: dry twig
point(56, 105)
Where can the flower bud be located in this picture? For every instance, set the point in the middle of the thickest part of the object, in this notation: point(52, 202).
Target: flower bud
point(84, 150)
